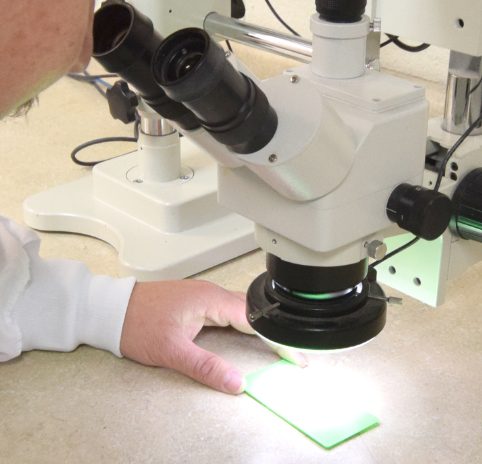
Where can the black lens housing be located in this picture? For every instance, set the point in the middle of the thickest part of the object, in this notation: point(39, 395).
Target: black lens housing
point(337, 323)
point(124, 43)
point(194, 70)
point(341, 11)
point(313, 279)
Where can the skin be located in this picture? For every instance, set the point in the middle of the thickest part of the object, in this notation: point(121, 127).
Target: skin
point(40, 41)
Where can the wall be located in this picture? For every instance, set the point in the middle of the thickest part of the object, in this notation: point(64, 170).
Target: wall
point(431, 64)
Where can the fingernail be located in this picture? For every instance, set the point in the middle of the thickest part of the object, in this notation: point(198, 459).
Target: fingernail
point(301, 360)
point(234, 382)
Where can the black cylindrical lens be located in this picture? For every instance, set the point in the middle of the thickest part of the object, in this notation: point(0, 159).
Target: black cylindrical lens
point(124, 43)
point(194, 70)
point(341, 11)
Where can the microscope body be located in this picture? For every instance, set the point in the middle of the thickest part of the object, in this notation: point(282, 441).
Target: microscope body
point(318, 191)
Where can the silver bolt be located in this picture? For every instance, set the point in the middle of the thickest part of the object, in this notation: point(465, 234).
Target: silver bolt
point(376, 249)
point(273, 158)
point(376, 25)
point(294, 79)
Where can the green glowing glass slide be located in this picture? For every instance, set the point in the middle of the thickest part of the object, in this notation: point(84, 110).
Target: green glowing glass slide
point(306, 399)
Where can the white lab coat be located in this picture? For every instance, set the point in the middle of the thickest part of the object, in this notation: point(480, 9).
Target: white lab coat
point(54, 304)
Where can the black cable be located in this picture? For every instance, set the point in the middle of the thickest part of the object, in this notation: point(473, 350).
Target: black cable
point(449, 154)
point(93, 79)
point(91, 143)
point(395, 252)
point(280, 19)
point(387, 42)
point(228, 44)
point(475, 87)
point(90, 77)
point(408, 48)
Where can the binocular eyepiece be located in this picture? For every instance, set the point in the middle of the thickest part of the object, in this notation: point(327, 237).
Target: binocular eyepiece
point(194, 70)
point(124, 43)
point(186, 78)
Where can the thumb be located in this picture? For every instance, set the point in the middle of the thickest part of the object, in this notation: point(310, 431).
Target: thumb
point(209, 369)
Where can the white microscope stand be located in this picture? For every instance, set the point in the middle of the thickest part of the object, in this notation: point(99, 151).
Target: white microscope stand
point(161, 230)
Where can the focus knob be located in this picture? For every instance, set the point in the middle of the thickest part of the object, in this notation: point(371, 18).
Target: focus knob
point(426, 213)
point(122, 102)
point(468, 206)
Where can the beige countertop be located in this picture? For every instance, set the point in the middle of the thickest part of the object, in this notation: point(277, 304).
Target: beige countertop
point(425, 369)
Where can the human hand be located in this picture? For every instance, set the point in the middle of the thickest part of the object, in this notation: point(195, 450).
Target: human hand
point(163, 318)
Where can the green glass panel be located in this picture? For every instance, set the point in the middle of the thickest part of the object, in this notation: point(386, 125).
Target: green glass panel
point(302, 399)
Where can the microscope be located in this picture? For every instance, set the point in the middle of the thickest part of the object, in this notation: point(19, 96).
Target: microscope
point(333, 161)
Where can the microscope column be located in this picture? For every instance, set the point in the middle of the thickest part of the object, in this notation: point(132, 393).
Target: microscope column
point(339, 41)
point(463, 104)
point(159, 150)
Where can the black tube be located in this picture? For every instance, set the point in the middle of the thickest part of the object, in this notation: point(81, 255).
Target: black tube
point(124, 43)
point(341, 11)
point(193, 69)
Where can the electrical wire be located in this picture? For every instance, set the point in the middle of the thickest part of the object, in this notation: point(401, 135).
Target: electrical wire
point(394, 252)
point(94, 80)
point(280, 19)
point(93, 142)
point(450, 153)
point(228, 44)
point(394, 39)
point(85, 76)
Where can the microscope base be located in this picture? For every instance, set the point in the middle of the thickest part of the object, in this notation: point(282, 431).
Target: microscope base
point(165, 230)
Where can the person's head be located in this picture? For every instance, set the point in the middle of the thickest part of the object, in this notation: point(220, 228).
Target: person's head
point(40, 41)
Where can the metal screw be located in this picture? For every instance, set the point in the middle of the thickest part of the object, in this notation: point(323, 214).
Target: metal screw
point(294, 79)
point(273, 158)
point(274, 241)
point(376, 25)
point(376, 249)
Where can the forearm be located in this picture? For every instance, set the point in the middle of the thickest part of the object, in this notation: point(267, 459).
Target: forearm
point(54, 304)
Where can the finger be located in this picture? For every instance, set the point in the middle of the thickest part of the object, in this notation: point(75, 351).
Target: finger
point(289, 354)
point(208, 368)
point(229, 310)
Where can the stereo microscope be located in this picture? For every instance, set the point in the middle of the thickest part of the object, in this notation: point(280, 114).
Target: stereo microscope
point(333, 161)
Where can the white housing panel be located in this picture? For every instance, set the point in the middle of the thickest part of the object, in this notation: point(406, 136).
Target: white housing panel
point(455, 25)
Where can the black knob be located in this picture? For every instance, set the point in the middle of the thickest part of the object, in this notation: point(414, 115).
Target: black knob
point(467, 201)
point(122, 102)
point(341, 11)
point(423, 212)
point(238, 10)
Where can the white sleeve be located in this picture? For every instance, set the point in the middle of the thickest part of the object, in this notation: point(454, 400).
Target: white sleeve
point(56, 304)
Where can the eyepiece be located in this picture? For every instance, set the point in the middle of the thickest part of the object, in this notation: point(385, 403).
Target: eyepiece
point(193, 69)
point(341, 11)
point(124, 43)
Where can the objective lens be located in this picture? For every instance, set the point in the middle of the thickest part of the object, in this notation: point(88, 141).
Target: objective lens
point(193, 69)
point(124, 43)
point(316, 308)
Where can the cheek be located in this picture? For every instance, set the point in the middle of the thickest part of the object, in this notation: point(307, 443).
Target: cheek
point(87, 43)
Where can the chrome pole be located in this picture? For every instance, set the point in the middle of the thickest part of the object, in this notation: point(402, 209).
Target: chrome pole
point(259, 37)
point(463, 104)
